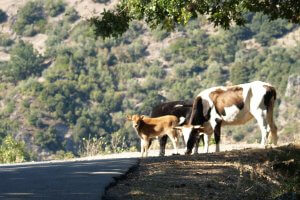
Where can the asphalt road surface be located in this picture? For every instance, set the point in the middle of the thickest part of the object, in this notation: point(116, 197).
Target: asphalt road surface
point(61, 180)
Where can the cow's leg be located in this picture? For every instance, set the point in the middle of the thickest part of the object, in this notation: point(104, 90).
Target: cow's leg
point(197, 144)
point(272, 126)
point(174, 138)
point(260, 116)
point(206, 139)
point(200, 137)
point(274, 133)
point(217, 134)
point(162, 145)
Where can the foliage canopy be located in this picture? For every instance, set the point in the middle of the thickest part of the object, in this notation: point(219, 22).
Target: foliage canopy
point(171, 13)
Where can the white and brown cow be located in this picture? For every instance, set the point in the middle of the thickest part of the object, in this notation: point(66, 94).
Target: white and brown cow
point(233, 105)
point(148, 128)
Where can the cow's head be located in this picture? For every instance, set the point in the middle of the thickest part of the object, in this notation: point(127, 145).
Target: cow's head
point(136, 120)
point(190, 133)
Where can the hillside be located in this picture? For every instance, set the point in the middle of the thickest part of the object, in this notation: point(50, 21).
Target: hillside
point(64, 91)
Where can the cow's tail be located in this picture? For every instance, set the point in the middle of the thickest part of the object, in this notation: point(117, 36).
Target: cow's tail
point(269, 101)
point(269, 98)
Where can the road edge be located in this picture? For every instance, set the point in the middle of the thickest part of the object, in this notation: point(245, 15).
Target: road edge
point(119, 178)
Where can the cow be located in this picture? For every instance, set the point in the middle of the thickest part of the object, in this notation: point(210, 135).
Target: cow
point(182, 110)
point(148, 128)
point(232, 105)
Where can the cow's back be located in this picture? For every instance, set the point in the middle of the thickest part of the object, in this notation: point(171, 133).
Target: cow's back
point(176, 108)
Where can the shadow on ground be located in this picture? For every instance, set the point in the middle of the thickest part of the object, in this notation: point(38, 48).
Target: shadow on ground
point(239, 174)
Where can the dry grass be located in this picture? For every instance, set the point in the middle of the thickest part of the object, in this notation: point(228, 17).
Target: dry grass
point(238, 174)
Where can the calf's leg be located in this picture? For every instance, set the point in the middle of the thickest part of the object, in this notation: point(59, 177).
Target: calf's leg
point(144, 147)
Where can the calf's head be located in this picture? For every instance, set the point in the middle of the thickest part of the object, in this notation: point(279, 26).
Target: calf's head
point(136, 120)
point(190, 133)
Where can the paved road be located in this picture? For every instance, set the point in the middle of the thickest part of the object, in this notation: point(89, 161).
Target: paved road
point(61, 180)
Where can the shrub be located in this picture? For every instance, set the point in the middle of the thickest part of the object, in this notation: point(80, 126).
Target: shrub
point(3, 16)
point(54, 7)
point(92, 146)
point(71, 15)
point(160, 34)
point(49, 139)
point(5, 40)
point(30, 19)
point(12, 151)
point(24, 62)
point(62, 155)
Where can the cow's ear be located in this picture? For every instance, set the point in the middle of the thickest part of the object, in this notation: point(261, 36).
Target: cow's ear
point(178, 127)
point(129, 117)
point(142, 116)
point(199, 127)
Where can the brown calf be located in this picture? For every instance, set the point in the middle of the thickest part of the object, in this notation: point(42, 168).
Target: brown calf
point(148, 128)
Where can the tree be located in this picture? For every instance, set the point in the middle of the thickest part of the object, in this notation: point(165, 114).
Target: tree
point(170, 14)
point(24, 62)
point(239, 73)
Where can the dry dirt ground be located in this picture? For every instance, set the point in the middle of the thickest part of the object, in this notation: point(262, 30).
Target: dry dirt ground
point(239, 174)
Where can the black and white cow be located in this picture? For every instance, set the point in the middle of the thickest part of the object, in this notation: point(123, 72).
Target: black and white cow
point(182, 110)
point(233, 105)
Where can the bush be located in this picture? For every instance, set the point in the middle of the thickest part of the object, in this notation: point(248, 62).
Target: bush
point(3, 16)
point(5, 41)
point(92, 146)
point(62, 155)
point(54, 7)
point(12, 151)
point(71, 15)
point(30, 19)
point(24, 62)
point(49, 139)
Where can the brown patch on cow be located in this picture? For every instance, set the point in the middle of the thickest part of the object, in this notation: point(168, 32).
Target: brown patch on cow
point(232, 96)
point(270, 93)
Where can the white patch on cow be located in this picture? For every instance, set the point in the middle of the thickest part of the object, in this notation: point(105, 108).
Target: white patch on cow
point(178, 105)
point(231, 113)
point(186, 132)
point(181, 120)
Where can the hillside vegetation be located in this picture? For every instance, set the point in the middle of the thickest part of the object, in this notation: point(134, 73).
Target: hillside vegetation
point(65, 93)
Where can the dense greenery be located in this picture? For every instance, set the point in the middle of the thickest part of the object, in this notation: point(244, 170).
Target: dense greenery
point(82, 87)
point(170, 14)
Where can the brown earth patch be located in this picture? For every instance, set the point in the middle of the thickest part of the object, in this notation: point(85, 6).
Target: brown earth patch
point(238, 174)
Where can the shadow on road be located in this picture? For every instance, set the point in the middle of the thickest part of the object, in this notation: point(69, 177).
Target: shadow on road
point(65, 180)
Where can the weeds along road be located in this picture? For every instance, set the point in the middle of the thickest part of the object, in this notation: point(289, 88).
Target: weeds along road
point(80, 179)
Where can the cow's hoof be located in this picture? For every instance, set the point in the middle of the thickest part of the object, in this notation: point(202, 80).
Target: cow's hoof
point(175, 154)
point(188, 153)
